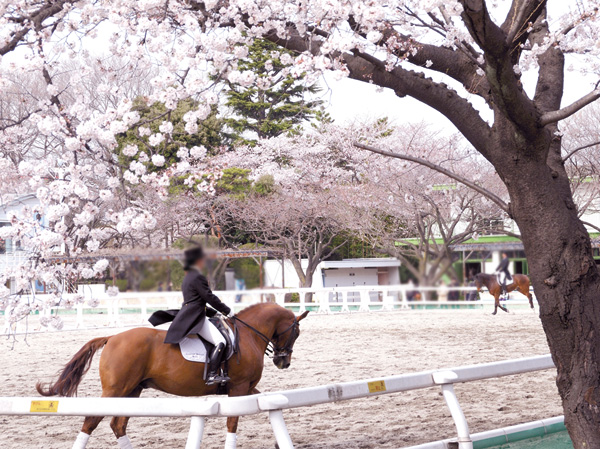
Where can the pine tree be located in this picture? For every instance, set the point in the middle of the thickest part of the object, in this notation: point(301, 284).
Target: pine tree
point(209, 132)
point(278, 109)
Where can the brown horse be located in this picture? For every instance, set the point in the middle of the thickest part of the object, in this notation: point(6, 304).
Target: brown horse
point(138, 359)
point(520, 283)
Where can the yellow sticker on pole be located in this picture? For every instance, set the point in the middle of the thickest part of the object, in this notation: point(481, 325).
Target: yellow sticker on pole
point(377, 386)
point(44, 406)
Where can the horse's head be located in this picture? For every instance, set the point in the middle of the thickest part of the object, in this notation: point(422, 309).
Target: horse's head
point(478, 281)
point(286, 334)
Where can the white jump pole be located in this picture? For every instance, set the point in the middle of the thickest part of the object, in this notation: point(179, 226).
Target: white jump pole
point(196, 433)
point(282, 436)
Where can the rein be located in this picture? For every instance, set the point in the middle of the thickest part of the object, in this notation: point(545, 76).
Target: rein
point(272, 349)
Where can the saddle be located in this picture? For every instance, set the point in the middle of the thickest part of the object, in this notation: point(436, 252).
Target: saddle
point(196, 349)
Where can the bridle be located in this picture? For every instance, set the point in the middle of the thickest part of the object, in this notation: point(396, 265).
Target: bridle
point(273, 350)
point(286, 350)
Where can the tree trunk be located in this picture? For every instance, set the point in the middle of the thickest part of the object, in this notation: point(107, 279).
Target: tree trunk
point(308, 280)
point(565, 279)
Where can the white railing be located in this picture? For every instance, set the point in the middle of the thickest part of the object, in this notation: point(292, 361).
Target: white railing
point(324, 300)
point(275, 403)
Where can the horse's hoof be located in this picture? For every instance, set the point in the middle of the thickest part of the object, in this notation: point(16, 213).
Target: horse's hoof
point(494, 313)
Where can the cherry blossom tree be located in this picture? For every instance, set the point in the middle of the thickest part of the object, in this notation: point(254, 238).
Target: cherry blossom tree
point(294, 205)
point(299, 226)
point(463, 58)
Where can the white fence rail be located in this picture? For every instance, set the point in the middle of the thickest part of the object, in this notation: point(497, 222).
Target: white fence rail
point(275, 403)
point(324, 300)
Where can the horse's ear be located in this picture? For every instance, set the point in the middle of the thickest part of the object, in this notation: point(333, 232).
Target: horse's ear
point(301, 317)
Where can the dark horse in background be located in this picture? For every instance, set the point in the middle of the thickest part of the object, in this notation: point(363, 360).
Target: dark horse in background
point(520, 283)
point(138, 359)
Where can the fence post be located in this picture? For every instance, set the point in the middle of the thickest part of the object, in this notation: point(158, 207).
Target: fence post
point(280, 299)
point(365, 299)
point(345, 307)
point(404, 304)
point(282, 436)
point(446, 379)
point(79, 315)
point(323, 302)
point(144, 310)
point(113, 310)
point(196, 433)
point(387, 300)
point(302, 298)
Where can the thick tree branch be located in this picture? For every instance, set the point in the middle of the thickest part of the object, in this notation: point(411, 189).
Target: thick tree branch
point(34, 21)
point(367, 68)
point(521, 14)
point(460, 65)
point(489, 36)
point(551, 78)
point(561, 114)
point(496, 199)
point(507, 90)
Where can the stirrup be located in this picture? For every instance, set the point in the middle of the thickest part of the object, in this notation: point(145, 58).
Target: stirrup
point(217, 379)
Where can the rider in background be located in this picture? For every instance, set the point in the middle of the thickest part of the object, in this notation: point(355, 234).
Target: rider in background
point(503, 268)
point(191, 319)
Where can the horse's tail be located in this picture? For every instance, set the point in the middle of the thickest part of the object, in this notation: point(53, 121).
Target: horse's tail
point(70, 377)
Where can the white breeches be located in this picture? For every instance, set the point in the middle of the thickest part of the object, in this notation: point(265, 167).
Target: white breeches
point(210, 333)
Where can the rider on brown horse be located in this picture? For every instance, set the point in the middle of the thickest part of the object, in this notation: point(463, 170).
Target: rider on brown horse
point(191, 319)
point(503, 268)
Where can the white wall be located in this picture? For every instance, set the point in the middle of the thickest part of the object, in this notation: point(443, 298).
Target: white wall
point(273, 274)
point(349, 277)
point(340, 277)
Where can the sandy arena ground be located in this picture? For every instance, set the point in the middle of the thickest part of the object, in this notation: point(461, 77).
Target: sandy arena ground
point(334, 348)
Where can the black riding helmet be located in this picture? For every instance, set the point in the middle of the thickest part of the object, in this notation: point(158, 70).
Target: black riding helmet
point(191, 256)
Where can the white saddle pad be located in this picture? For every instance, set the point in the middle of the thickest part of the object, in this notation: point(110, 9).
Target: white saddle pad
point(193, 349)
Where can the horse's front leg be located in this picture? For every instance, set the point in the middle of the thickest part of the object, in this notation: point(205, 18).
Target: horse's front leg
point(232, 422)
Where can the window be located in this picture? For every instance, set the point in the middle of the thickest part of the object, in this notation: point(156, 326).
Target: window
point(3, 243)
point(8, 245)
point(492, 226)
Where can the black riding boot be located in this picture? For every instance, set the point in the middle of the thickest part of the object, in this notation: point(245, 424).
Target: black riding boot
point(214, 375)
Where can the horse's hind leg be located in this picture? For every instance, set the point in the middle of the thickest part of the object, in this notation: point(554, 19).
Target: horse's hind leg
point(530, 297)
point(119, 424)
point(243, 389)
point(119, 427)
point(89, 425)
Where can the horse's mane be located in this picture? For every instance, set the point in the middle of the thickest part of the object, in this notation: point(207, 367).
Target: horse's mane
point(258, 306)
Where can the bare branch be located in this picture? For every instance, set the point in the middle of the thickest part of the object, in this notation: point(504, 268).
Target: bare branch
point(561, 114)
point(583, 147)
point(586, 223)
point(496, 199)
